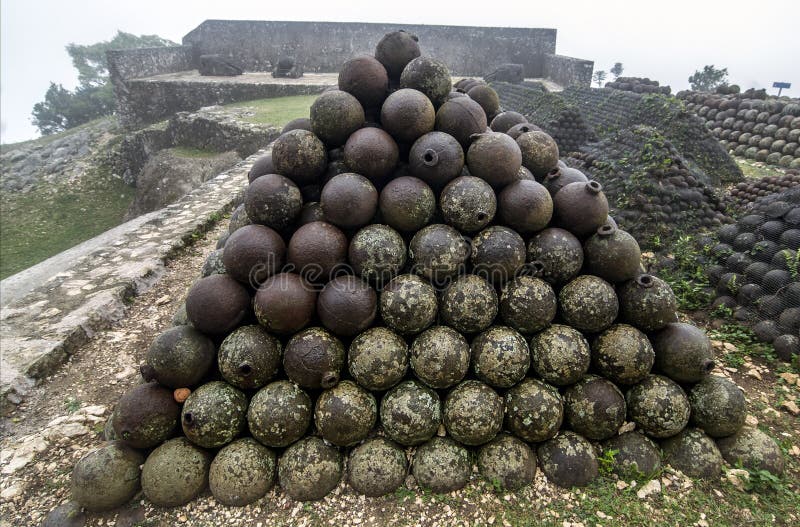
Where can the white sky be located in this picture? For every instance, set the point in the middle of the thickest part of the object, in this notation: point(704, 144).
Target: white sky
point(665, 40)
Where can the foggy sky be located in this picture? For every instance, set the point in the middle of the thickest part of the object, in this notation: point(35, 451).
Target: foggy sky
point(664, 40)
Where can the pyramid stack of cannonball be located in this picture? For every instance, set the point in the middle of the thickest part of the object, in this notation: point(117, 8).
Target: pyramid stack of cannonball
point(638, 85)
point(745, 193)
point(399, 292)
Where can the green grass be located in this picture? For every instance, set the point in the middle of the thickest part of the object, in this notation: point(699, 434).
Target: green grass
point(194, 153)
point(277, 111)
point(752, 170)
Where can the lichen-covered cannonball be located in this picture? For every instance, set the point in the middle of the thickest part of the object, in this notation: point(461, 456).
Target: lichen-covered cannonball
point(345, 414)
point(693, 453)
point(349, 200)
point(335, 114)
point(347, 305)
point(408, 304)
point(146, 415)
point(468, 203)
point(273, 200)
point(568, 460)
point(430, 76)
point(313, 358)
point(441, 465)
point(560, 355)
point(300, 156)
point(440, 357)
point(469, 304)
point(285, 303)
point(107, 477)
point(279, 414)
point(636, 454)
point(539, 152)
point(238, 219)
point(588, 303)
point(683, 352)
point(498, 253)
point(528, 304)
point(438, 252)
point(410, 413)
point(718, 406)
point(754, 449)
point(179, 357)
point(559, 252)
point(658, 406)
point(534, 410)
point(213, 263)
point(407, 203)
point(242, 472)
point(249, 357)
point(378, 359)
point(594, 408)
point(309, 469)
point(473, 413)
point(377, 253)
point(214, 414)
point(175, 473)
point(622, 354)
point(500, 357)
point(216, 304)
point(647, 302)
point(508, 462)
point(377, 467)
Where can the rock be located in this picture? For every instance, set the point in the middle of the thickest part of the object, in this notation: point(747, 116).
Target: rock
point(791, 407)
point(65, 515)
point(651, 487)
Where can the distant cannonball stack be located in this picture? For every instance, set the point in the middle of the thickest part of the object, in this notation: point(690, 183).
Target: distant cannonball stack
point(442, 300)
point(746, 192)
point(638, 85)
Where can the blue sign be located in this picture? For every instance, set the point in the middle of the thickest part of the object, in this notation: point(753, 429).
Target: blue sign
point(782, 85)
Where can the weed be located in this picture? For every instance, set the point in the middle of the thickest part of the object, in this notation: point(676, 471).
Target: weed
point(607, 461)
point(403, 494)
point(71, 404)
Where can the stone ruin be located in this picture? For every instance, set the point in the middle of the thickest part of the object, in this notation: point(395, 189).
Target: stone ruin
point(288, 68)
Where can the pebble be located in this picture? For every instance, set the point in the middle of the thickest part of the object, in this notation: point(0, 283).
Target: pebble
point(791, 407)
point(651, 487)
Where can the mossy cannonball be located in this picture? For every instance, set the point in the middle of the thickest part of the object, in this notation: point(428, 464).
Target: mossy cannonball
point(216, 304)
point(539, 152)
point(347, 305)
point(345, 414)
point(349, 201)
point(588, 303)
point(146, 415)
point(429, 76)
point(285, 303)
point(473, 413)
point(469, 304)
point(313, 358)
point(581, 208)
point(179, 357)
point(395, 50)
point(175, 473)
point(508, 462)
point(410, 413)
point(377, 253)
point(754, 449)
point(460, 118)
point(658, 406)
point(365, 78)
point(107, 477)
point(408, 304)
point(407, 203)
point(560, 355)
point(309, 469)
point(438, 252)
point(441, 465)
point(301, 123)
point(528, 304)
point(594, 407)
point(440, 357)
point(377, 467)
point(300, 156)
point(718, 406)
point(242, 472)
point(407, 114)
point(249, 357)
point(636, 454)
point(500, 357)
point(214, 414)
point(262, 165)
point(279, 414)
point(372, 153)
point(559, 252)
point(273, 200)
point(486, 97)
point(468, 203)
point(693, 453)
point(568, 460)
point(494, 157)
point(683, 352)
point(505, 120)
point(316, 250)
point(622, 354)
point(436, 158)
point(378, 359)
point(525, 206)
point(253, 253)
point(498, 254)
point(647, 302)
point(612, 254)
point(534, 410)
point(336, 114)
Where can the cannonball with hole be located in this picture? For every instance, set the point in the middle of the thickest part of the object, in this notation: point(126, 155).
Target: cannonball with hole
point(214, 414)
point(683, 352)
point(468, 203)
point(249, 357)
point(436, 158)
point(647, 302)
point(313, 358)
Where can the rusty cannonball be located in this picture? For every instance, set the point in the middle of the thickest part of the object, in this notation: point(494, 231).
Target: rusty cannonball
point(285, 303)
point(345, 414)
point(534, 410)
point(395, 50)
point(347, 305)
point(263, 165)
point(539, 152)
point(313, 358)
point(216, 304)
point(301, 123)
point(525, 206)
point(408, 304)
point(594, 407)
point(486, 97)
point(440, 357)
point(500, 357)
point(468, 203)
point(622, 354)
point(498, 254)
point(300, 156)
point(311, 212)
point(505, 120)
point(349, 200)
point(407, 203)
point(273, 200)
point(528, 304)
point(436, 158)
point(521, 128)
point(588, 303)
point(438, 252)
point(407, 114)
point(336, 114)
point(559, 178)
point(612, 254)
point(254, 253)
point(365, 78)
point(495, 158)
point(377, 253)
point(560, 355)
point(469, 304)
point(317, 250)
point(461, 118)
point(372, 153)
point(473, 413)
point(378, 359)
point(559, 252)
point(430, 76)
point(146, 415)
point(581, 208)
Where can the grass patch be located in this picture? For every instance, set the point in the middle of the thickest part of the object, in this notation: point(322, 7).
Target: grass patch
point(194, 153)
point(688, 278)
point(754, 170)
point(277, 111)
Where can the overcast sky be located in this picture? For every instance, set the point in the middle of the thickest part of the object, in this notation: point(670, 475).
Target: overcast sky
point(665, 40)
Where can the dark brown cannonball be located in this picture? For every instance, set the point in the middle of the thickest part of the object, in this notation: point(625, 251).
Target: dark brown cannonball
point(378, 359)
point(311, 212)
point(301, 123)
point(588, 303)
point(254, 253)
point(560, 355)
point(539, 152)
point(336, 114)
point(658, 406)
point(559, 252)
point(473, 413)
point(347, 305)
point(300, 156)
point(528, 304)
point(525, 206)
point(495, 158)
point(407, 203)
point(285, 303)
point(377, 253)
point(349, 200)
point(263, 165)
point(279, 414)
point(469, 304)
point(365, 78)
point(316, 250)
point(787, 347)
point(718, 406)
point(313, 358)
point(438, 252)
point(395, 50)
point(505, 120)
point(146, 415)
point(468, 203)
point(407, 115)
point(408, 304)
point(521, 128)
point(647, 302)
point(622, 354)
point(461, 118)
point(559, 178)
point(372, 153)
point(580, 208)
point(440, 357)
point(568, 460)
point(436, 158)
point(507, 462)
point(486, 97)
point(273, 200)
point(430, 76)
point(534, 410)
point(500, 357)
point(636, 454)
point(498, 254)
point(693, 453)
point(612, 254)
point(345, 414)
point(683, 352)
point(216, 304)
point(594, 408)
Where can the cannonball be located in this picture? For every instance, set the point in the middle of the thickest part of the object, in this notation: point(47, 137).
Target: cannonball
point(279, 414)
point(559, 252)
point(317, 250)
point(311, 212)
point(440, 357)
point(213, 263)
point(498, 254)
point(429, 76)
point(395, 50)
point(273, 200)
point(336, 114)
point(658, 406)
point(612, 254)
point(285, 303)
point(505, 120)
point(438, 252)
point(528, 304)
point(787, 347)
point(568, 460)
point(561, 177)
point(347, 305)
point(718, 406)
point(410, 413)
point(263, 165)
point(313, 358)
point(539, 152)
point(508, 462)
point(216, 304)
point(301, 123)
point(647, 302)
point(622, 354)
point(486, 97)
point(693, 453)
point(309, 469)
point(345, 414)
point(300, 156)
point(468, 203)
point(588, 303)
point(349, 201)
point(372, 153)
point(175, 473)
point(407, 204)
point(581, 208)
point(683, 352)
point(436, 158)
point(494, 157)
point(378, 359)
point(179, 357)
point(214, 414)
point(473, 413)
point(377, 467)
point(408, 304)
point(254, 253)
point(407, 114)
point(365, 78)
point(594, 407)
point(560, 355)
point(441, 465)
point(534, 410)
point(146, 415)
point(460, 118)
point(636, 454)
point(754, 449)
point(469, 304)
point(238, 219)
point(107, 477)
point(377, 253)
point(249, 357)
point(500, 357)
point(242, 472)
point(518, 129)
point(525, 206)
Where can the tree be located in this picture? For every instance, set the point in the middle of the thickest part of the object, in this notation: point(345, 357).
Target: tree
point(616, 71)
point(93, 98)
point(598, 77)
point(709, 78)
